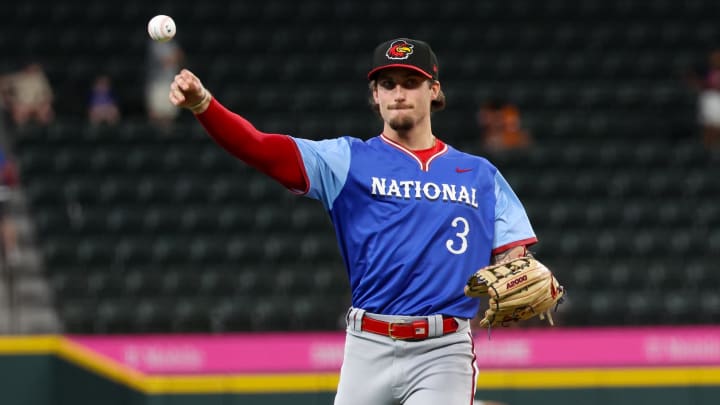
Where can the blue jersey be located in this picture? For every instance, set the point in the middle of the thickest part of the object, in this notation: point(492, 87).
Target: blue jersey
point(411, 234)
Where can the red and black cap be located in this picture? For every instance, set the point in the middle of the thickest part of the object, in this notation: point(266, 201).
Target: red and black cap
point(405, 53)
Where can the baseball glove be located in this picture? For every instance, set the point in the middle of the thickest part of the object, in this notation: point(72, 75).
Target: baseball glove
point(519, 289)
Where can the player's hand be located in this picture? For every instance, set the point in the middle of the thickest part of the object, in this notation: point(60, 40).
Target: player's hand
point(187, 91)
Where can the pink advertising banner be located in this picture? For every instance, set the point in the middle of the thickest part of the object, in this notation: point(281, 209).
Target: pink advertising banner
point(316, 352)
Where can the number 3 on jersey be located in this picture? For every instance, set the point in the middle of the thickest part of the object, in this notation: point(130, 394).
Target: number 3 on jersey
point(463, 227)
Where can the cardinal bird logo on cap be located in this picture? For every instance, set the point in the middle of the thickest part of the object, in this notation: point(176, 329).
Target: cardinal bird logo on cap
point(399, 50)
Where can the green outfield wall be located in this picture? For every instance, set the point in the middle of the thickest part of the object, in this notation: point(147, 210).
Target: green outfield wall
point(51, 371)
point(49, 380)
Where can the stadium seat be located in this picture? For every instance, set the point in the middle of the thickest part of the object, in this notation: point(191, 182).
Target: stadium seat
point(643, 307)
point(191, 316)
point(148, 315)
point(77, 316)
point(607, 307)
point(232, 315)
point(216, 281)
point(143, 282)
point(133, 251)
point(679, 308)
point(117, 316)
point(710, 307)
point(180, 281)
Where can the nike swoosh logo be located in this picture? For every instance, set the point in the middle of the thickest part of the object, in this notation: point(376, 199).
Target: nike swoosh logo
point(459, 170)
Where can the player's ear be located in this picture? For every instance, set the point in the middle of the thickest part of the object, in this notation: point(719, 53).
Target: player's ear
point(434, 89)
point(373, 97)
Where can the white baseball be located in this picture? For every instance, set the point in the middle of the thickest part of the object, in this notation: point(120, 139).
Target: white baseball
point(161, 28)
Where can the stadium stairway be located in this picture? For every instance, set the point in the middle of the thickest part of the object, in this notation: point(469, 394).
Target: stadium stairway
point(27, 299)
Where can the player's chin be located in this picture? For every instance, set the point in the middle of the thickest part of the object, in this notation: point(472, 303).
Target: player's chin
point(401, 123)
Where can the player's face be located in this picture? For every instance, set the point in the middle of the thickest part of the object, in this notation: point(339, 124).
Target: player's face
point(404, 97)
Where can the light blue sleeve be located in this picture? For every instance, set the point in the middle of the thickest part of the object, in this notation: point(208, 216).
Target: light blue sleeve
point(511, 221)
point(327, 163)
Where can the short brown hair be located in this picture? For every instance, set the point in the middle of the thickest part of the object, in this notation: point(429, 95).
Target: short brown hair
point(436, 105)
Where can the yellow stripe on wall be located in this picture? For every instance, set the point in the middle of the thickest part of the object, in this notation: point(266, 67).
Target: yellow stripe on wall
point(242, 384)
point(495, 379)
point(600, 378)
point(100, 365)
point(518, 379)
point(28, 345)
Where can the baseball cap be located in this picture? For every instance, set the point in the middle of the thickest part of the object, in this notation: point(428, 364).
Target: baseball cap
point(405, 53)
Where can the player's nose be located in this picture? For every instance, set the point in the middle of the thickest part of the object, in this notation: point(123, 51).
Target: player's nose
point(399, 93)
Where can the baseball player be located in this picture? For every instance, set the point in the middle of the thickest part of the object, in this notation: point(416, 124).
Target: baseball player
point(414, 218)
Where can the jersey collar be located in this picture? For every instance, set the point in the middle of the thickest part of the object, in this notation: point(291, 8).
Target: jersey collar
point(423, 159)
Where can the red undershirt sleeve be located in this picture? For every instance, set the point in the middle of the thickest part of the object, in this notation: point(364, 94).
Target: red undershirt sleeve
point(524, 242)
point(275, 155)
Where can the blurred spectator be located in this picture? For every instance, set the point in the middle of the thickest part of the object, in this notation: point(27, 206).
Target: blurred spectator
point(102, 106)
point(163, 63)
point(8, 182)
point(28, 96)
point(706, 82)
point(500, 127)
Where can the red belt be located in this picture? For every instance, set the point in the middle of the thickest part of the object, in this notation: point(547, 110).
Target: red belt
point(415, 330)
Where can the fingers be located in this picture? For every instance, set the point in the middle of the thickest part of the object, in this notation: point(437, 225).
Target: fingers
point(176, 96)
point(186, 89)
point(184, 83)
point(187, 81)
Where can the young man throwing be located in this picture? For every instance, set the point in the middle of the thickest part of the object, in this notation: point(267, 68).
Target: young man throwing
point(414, 218)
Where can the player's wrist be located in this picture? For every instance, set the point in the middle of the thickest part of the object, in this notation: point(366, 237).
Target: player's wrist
point(202, 105)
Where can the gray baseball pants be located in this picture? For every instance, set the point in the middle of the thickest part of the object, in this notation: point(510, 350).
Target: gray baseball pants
point(379, 370)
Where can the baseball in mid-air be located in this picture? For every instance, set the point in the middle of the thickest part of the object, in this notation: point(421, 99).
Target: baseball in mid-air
point(161, 28)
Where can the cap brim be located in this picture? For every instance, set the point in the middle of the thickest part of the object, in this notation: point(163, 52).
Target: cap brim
point(398, 65)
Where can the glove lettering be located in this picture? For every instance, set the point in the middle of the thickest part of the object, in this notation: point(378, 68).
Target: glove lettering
point(514, 283)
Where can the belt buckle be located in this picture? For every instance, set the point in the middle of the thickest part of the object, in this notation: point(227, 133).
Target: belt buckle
point(419, 330)
point(390, 334)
